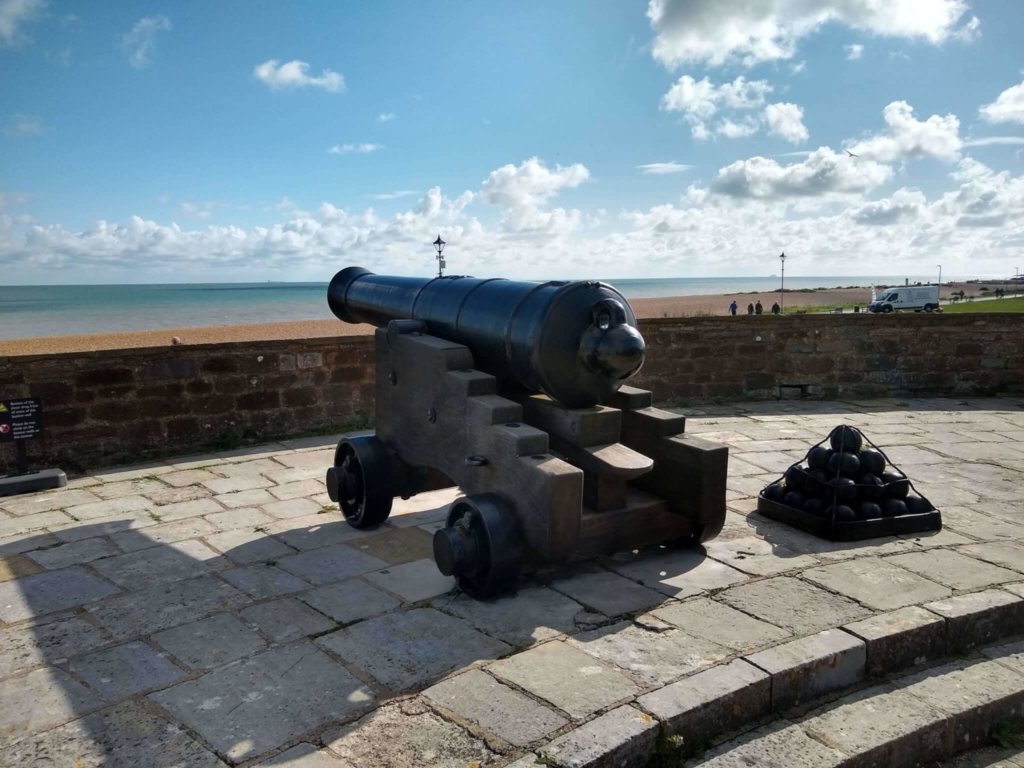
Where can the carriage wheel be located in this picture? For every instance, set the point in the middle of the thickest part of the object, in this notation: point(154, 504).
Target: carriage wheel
point(480, 546)
point(360, 481)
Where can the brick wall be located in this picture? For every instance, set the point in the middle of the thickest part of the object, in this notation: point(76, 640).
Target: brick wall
point(128, 405)
point(837, 355)
point(118, 405)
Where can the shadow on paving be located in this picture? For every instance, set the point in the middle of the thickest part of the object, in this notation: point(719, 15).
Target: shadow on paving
point(155, 653)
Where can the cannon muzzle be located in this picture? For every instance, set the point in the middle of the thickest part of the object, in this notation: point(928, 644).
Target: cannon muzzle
point(575, 341)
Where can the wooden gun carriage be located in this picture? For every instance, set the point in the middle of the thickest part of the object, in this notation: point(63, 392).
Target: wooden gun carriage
point(515, 392)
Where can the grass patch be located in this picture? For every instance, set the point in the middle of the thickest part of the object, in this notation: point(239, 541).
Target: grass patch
point(993, 305)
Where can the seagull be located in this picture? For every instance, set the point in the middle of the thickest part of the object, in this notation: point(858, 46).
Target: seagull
point(850, 153)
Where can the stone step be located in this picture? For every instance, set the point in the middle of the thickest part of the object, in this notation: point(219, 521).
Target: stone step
point(917, 719)
point(944, 703)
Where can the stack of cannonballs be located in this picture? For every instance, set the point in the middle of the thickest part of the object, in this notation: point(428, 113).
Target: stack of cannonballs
point(847, 484)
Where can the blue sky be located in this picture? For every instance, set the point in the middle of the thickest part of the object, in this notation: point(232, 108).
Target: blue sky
point(151, 142)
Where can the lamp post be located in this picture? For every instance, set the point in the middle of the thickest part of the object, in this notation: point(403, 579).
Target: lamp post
point(940, 283)
point(782, 288)
point(439, 245)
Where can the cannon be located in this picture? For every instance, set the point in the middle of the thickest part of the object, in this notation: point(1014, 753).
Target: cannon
point(515, 392)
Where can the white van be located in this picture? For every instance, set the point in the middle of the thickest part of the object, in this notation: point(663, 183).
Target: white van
point(915, 297)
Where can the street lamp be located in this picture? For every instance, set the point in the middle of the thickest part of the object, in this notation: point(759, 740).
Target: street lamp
point(782, 288)
point(940, 283)
point(439, 245)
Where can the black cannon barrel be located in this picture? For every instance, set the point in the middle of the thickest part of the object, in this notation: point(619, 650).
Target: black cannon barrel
point(575, 341)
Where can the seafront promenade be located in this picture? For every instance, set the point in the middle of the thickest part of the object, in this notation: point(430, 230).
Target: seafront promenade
point(211, 610)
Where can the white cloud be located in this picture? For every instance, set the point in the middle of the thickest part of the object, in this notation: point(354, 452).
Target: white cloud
point(715, 32)
point(985, 199)
point(823, 173)
point(140, 42)
point(295, 74)
point(24, 125)
point(994, 141)
point(854, 51)
point(362, 149)
point(13, 15)
point(786, 121)
point(904, 204)
point(386, 117)
point(799, 67)
point(661, 169)
point(906, 137)
point(392, 195)
point(973, 228)
point(700, 100)
point(970, 31)
point(1007, 108)
point(523, 191)
point(732, 130)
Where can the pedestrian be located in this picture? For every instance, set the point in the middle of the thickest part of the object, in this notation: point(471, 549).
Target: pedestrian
point(776, 309)
point(750, 309)
point(758, 309)
point(733, 307)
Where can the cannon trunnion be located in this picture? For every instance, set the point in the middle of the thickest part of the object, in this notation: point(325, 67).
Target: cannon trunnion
point(545, 481)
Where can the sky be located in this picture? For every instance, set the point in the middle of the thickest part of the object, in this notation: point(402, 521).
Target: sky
point(248, 141)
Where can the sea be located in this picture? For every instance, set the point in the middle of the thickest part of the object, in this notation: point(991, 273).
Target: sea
point(60, 310)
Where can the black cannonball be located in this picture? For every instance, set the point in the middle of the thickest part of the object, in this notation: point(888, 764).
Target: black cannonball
point(896, 486)
point(775, 492)
point(845, 464)
point(843, 488)
point(844, 438)
point(916, 505)
point(794, 499)
point(893, 508)
point(795, 478)
point(841, 512)
point(815, 482)
point(814, 506)
point(869, 510)
point(871, 487)
point(872, 461)
point(817, 457)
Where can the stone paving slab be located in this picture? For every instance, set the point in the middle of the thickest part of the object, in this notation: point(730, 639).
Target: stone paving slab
point(531, 615)
point(651, 658)
point(794, 605)
point(210, 642)
point(166, 605)
point(349, 601)
point(245, 709)
point(503, 711)
point(39, 700)
point(125, 735)
point(159, 552)
point(720, 623)
point(570, 679)
point(405, 650)
point(877, 583)
point(407, 737)
point(28, 646)
point(287, 619)
point(48, 592)
point(608, 593)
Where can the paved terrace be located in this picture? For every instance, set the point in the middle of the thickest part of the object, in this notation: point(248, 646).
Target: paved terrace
point(217, 610)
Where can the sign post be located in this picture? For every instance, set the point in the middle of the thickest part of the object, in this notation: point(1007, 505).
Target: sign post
point(21, 420)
